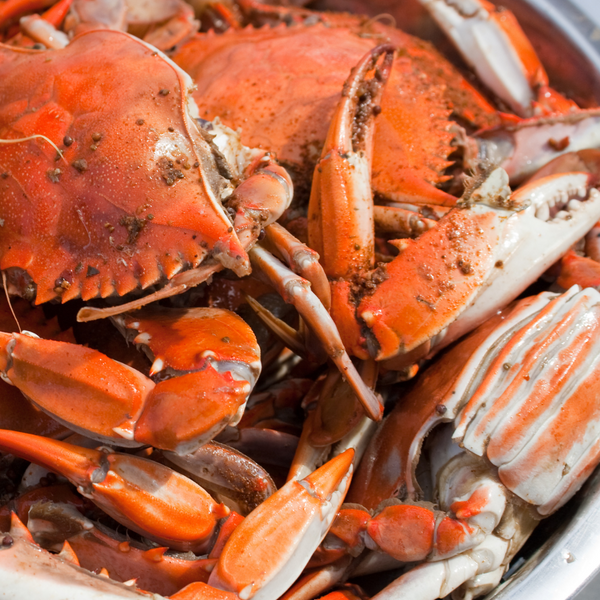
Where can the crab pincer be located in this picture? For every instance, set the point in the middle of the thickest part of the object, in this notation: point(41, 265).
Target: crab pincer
point(145, 496)
point(478, 257)
point(341, 191)
point(492, 42)
point(207, 361)
point(269, 549)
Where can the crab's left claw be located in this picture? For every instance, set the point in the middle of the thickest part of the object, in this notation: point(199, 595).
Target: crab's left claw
point(267, 552)
point(143, 495)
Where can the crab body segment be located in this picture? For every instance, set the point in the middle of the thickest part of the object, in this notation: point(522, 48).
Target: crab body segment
point(281, 86)
point(107, 185)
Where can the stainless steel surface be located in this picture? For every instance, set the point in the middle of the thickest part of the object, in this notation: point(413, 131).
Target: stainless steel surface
point(570, 557)
point(591, 8)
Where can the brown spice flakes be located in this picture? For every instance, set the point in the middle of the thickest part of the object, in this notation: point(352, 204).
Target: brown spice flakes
point(81, 165)
point(134, 227)
point(54, 175)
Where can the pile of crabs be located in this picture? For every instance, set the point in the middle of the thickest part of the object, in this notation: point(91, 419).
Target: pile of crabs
point(327, 241)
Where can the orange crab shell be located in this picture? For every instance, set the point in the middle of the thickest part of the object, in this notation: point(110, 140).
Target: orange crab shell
point(281, 86)
point(135, 195)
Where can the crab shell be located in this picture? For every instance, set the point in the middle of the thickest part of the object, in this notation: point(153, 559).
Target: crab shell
point(107, 183)
point(281, 86)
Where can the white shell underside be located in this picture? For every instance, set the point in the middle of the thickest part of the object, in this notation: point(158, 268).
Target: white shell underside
point(27, 571)
point(535, 413)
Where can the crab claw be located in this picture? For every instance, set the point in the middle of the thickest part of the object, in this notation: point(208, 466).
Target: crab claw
point(561, 210)
point(267, 552)
point(494, 45)
point(341, 191)
point(480, 256)
point(145, 496)
point(523, 148)
point(210, 358)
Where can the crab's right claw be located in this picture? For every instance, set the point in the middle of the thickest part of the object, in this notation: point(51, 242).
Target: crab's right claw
point(267, 552)
point(212, 352)
point(487, 252)
point(560, 210)
point(492, 42)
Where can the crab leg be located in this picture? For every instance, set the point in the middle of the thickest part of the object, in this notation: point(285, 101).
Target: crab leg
point(578, 270)
point(143, 495)
point(12, 9)
point(44, 28)
point(562, 209)
point(313, 583)
point(296, 291)
point(267, 552)
point(39, 30)
point(494, 45)
point(213, 350)
point(228, 474)
point(349, 592)
point(23, 565)
point(301, 259)
point(412, 533)
point(335, 424)
point(390, 219)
